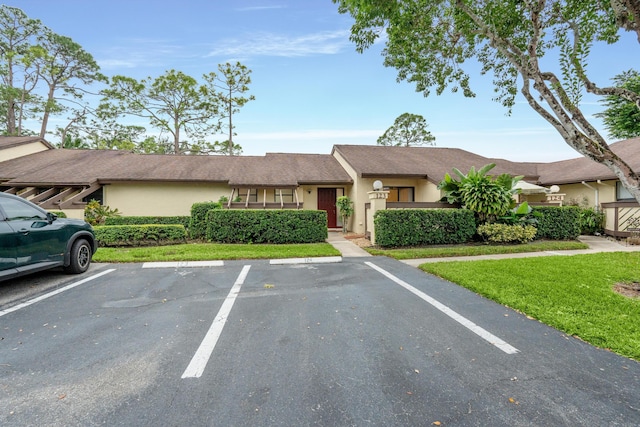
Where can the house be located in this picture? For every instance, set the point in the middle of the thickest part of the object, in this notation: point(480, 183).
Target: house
point(148, 184)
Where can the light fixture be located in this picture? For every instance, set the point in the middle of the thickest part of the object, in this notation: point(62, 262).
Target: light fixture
point(377, 185)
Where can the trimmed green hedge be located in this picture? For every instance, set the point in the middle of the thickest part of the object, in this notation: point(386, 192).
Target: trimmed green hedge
point(198, 219)
point(418, 227)
point(146, 220)
point(140, 235)
point(266, 226)
point(558, 222)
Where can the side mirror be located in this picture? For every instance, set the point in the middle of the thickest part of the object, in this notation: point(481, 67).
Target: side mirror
point(51, 217)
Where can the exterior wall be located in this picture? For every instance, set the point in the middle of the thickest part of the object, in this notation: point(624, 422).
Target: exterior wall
point(71, 213)
point(160, 199)
point(355, 193)
point(424, 191)
point(579, 192)
point(22, 150)
point(170, 199)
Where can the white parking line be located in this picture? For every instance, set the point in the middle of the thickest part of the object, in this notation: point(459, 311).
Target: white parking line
point(484, 334)
point(314, 260)
point(182, 264)
point(202, 355)
point(56, 292)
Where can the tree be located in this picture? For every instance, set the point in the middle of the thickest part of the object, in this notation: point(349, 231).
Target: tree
point(407, 130)
point(63, 61)
point(622, 117)
point(17, 36)
point(232, 82)
point(32, 56)
point(429, 43)
point(173, 103)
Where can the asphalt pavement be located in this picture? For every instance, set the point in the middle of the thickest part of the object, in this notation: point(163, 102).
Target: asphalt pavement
point(368, 341)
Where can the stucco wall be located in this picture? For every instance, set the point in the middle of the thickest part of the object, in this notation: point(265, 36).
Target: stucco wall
point(169, 199)
point(22, 150)
point(579, 192)
point(160, 199)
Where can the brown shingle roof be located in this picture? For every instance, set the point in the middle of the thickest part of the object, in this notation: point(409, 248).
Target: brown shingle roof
point(83, 167)
point(583, 169)
point(424, 162)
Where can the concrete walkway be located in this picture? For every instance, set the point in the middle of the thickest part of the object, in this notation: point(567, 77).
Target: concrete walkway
point(596, 244)
point(346, 247)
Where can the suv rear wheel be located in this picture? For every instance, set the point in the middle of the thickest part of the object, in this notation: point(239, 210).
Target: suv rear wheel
point(80, 257)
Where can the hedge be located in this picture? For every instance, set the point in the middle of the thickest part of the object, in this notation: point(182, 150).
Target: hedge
point(558, 222)
point(140, 235)
point(146, 220)
point(507, 233)
point(198, 219)
point(418, 227)
point(266, 226)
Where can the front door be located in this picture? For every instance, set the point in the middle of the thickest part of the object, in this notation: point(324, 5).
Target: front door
point(327, 202)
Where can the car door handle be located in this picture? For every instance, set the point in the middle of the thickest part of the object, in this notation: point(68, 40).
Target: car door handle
point(23, 231)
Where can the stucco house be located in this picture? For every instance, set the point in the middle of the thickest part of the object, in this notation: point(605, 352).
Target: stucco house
point(146, 184)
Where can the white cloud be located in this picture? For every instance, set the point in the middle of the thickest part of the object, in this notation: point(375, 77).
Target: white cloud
point(270, 44)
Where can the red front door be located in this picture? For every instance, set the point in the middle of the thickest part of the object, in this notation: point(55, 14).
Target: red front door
point(327, 202)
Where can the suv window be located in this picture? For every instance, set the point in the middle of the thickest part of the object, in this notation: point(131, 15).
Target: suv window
point(15, 209)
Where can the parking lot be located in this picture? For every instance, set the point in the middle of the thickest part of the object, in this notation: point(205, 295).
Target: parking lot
point(365, 341)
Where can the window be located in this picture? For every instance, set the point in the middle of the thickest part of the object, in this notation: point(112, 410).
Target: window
point(240, 195)
point(96, 195)
point(400, 194)
point(622, 193)
point(16, 210)
point(287, 195)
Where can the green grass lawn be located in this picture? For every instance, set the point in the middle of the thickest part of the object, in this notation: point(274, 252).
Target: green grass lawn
point(213, 251)
point(477, 249)
point(571, 293)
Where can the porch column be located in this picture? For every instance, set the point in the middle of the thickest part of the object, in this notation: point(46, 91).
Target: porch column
point(378, 201)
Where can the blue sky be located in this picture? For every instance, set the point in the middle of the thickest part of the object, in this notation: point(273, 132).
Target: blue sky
point(312, 89)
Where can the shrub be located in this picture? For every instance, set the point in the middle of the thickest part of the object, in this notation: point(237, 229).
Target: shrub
point(486, 196)
point(59, 214)
point(591, 221)
point(505, 233)
point(345, 207)
point(417, 227)
point(96, 214)
point(558, 223)
point(266, 226)
point(139, 235)
point(198, 222)
point(146, 220)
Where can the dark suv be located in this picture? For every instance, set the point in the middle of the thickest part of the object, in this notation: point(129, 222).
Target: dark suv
point(32, 239)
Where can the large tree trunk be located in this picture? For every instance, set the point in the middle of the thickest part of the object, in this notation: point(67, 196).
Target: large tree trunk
point(47, 110)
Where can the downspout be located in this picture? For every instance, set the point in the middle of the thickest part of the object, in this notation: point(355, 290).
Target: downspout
point(597, 192)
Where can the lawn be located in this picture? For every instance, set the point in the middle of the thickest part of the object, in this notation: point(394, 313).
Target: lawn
point(573, 294)
point(213, 251)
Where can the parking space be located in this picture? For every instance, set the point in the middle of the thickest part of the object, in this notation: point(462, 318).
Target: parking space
point(364, 341)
